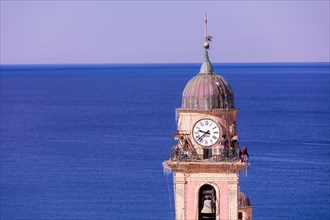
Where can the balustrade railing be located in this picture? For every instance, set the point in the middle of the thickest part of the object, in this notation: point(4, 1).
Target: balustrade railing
point(209, 155)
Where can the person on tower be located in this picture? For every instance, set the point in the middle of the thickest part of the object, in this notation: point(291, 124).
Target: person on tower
point(175, 152)
point(244, 155)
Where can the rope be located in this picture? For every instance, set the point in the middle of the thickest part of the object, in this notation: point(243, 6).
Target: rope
point(167, 171)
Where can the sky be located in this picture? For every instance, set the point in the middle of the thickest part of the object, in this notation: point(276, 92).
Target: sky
point(106, 32)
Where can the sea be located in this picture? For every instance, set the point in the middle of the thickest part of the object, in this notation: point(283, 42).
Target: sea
point(88, 141)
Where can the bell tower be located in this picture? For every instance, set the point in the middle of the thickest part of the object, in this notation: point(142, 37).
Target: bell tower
point(206, 161)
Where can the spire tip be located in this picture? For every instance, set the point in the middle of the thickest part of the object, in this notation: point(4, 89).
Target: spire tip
point(208, 38)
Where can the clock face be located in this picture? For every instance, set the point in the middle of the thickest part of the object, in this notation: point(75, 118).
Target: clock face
point(206, 132)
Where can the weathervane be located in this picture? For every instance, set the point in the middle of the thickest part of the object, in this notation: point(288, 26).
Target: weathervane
point(208, 38)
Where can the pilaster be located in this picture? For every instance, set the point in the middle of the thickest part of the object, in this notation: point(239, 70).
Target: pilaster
point(180, 181)
point(233, 209)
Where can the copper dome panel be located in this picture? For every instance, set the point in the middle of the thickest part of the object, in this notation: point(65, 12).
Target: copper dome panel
point(243, 200)
point(207, 91)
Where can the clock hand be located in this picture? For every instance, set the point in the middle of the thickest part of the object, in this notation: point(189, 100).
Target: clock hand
point(201, 137)
point(205, 132)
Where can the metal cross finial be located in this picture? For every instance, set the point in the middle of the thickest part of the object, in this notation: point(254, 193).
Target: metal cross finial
point(208, 38)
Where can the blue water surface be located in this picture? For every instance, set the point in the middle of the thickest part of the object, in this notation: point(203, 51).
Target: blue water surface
point(87, 142)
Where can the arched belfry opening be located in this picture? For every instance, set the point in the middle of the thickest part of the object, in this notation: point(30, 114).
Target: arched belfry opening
point(207, 203)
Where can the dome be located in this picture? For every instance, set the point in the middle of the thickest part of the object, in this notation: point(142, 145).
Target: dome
point(243, 200)
point(207, 90)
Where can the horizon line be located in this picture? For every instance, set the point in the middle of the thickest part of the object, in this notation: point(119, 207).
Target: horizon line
point(156, 63)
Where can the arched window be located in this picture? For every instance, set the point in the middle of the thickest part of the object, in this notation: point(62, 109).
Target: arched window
point(240, 215)
point(207, 203)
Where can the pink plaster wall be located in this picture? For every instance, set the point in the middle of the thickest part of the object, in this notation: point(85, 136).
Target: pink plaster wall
point(191, 200)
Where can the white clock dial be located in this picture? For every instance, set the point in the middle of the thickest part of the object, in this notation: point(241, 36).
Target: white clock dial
point(206, 132)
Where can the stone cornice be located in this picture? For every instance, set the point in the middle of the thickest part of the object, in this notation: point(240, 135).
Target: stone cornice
point(205, 167)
